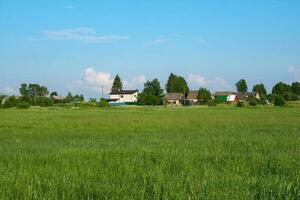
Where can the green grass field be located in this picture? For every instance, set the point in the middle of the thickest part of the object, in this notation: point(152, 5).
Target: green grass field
point(150, 153)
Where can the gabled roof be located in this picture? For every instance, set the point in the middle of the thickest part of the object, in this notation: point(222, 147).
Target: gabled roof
point(56, 97)
point(232, 98)
point(244, 96)
point(223, 93)
point(174, 96)
point(192, 95)
point(124, 92)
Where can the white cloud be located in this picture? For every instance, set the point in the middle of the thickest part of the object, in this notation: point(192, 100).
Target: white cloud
point(156, 42)
point(294, 73)
point(69, 7)
point(7, 90)
point(216, 83)
point(198, 79)
point(83, 34)
point(94, 81)
point(136, 82)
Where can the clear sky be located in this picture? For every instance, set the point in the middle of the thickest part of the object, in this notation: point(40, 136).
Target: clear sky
point(81, 45)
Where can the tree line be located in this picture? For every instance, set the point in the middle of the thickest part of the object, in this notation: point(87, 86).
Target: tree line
point(152, 93)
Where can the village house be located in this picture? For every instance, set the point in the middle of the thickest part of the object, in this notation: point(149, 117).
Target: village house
point(192, 97)
point(123, 96)
point(232, 98)
point(175, 99)
point(222, 96)
point(244, 96)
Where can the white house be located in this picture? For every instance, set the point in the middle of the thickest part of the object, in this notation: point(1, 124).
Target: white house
point(123, 96)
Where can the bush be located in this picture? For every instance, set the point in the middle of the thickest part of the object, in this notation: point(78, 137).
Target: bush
point(103, 103)
point(294, 97)
point(212, 103)
point(44, 101)
point(23, 105)
point(278, 100)
point(253, 101)
point(263, 100)
point(10, 102)
point(240, 104)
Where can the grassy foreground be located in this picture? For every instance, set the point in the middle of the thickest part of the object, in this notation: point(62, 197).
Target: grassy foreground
point(150, 153)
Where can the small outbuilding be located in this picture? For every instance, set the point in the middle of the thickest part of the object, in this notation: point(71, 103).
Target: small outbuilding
point(192, 97)
point(175, 99)
point(232, 98)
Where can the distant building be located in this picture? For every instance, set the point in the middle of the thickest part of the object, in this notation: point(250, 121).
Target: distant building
point(57, 98)
point(244, 96)
point(175, 99)
point(222, 96)
point(123, 96)
point(232, 98)
point(192, 97)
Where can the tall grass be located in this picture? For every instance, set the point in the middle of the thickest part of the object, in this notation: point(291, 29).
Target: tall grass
point(150, 153)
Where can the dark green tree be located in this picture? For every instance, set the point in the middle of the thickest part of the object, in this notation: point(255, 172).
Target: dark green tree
point(153, 87)
point(296, 88)
point(241, 86)
point(24, 89)
point(260, 89)
point(81, 97)
point(117, 84)
point(69, 98)
point(53, 94)
point(283, 90)
point(204, 96)
point(177, 84)
point(152, 93)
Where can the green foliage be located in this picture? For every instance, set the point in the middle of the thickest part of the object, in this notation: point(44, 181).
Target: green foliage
point(294, 97)
point(262, 100)
point(78, 98)
point(33, 92)
point(53, 94)
point(278, 100)
point(92, 100)
point(149, 99)
point(240, 104)
point(177, 84)
point(69, 98)
point(117, 84)
point(253, 101)
point(24, 89)
point(296, 88)
point(152, 93)
point(204, 96)
point(212, 102)
point(283, 90)
point(260, 89)
point(241, 86)
point(103, 103)
point(23, 105)
point(44, 101)
point(153, 88)
point(150, 153)
point(10, 102)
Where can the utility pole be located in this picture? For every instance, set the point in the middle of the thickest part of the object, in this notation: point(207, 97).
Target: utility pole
point(102, 91)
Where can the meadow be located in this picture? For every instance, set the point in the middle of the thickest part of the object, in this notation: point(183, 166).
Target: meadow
point(150, 153)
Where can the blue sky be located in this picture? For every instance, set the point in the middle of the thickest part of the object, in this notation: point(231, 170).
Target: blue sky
point(81, 45)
